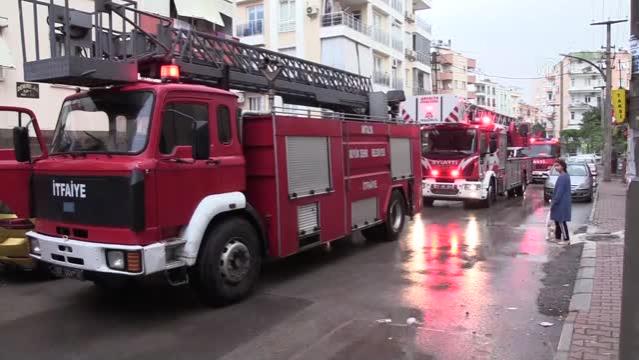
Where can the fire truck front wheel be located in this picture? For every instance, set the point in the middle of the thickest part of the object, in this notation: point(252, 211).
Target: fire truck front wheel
point(229, 263)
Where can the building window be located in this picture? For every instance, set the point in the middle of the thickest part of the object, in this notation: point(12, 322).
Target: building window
point(255, 103)
point(587, 99)
point(255, 16)
point(587, 82)
point(572, 115)
point(549, 96)
point(289, 51)
point(287, 15)
point(377, 64)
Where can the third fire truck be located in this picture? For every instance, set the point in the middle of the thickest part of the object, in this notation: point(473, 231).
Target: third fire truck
point(470, 153)
point(544, 152)
point(166, 175)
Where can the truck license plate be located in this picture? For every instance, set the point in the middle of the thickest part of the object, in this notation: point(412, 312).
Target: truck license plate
point(65, 272)
point(444, 186)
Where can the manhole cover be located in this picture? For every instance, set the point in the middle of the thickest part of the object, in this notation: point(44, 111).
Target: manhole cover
point(602, 237)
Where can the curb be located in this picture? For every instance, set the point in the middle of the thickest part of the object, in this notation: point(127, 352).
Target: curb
point(582, 290)
point(581, 297)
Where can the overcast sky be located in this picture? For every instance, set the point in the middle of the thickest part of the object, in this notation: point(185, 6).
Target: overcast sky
point(522, 38)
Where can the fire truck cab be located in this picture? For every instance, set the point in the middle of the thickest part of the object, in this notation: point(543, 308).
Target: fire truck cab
point(544, 152)
point(168, 176)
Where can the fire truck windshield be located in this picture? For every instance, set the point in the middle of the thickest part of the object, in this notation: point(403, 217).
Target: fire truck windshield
point(542, 150)
point(104, 122)
point(449, 141)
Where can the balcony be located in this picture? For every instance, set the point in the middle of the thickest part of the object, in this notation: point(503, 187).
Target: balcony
point(287, 26)
point(472, 79)
point(381, 78)
point(445, 76)
point(584, 90)
point(424, 26)
point(397, 83)
point(445, 59)
point(471, 95)
point(422, 4)
point(345, 19)
point(252, 28)
point(472, 64)
point(423, 58)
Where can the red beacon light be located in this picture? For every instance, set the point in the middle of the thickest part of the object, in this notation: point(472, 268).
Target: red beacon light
point(434, 172)
point(454, 173)
point(170, 72)
point(533, 140)
point(486, 120)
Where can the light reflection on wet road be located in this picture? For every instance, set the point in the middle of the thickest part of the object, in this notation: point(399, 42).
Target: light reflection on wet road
point(455, 271)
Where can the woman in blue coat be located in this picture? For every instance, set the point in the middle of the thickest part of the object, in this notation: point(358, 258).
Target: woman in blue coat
point(561, 206)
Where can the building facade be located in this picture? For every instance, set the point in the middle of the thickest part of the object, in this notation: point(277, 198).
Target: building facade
point(45, 100)
point(499, 98)
point(454, 72)
point(385, 40)
point(572, 87)
point(529, 113)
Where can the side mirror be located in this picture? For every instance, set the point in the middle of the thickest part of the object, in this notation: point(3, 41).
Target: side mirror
point(21, 144)
point(201, 140)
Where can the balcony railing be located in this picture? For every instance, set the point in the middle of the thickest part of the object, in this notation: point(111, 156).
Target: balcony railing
point(423, 58)
point(424, 25)
point(342, 18)
point(397, 83)
point(251, 28)
point(381, 36)
point(381, 78)
point(287, 26)
point(397, 43)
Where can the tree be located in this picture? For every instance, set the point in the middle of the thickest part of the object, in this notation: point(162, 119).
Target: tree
point(570, 141)
point(591, 132)
point(538, 130)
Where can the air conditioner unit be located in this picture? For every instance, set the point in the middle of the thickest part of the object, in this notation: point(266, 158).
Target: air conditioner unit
point(410, 17)
point(411, 54)
point(312, 11)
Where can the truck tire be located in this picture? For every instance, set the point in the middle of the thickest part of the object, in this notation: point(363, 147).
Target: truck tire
point(394, 222)
point(229, 263)
point(491, 196)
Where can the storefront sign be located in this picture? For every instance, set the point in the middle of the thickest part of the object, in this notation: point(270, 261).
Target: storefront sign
point(27, 90)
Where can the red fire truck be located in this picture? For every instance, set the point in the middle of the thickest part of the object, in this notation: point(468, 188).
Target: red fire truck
point(544, 153)
point(167, 176)
point(469, 153)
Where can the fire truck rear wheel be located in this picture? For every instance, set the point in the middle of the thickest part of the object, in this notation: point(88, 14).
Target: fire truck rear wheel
point(394, 222)
point(229, 263)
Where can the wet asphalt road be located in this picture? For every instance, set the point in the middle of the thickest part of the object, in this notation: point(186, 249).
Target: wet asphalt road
point(456, 271)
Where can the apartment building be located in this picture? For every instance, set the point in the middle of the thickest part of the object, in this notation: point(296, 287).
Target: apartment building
point(46, 99)
point(454, 72)
point(529, 113)
point(385, 40)
point(497, 97)
point(573, 87)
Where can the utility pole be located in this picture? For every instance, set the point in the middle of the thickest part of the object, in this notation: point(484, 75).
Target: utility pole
point(629, 346)
point(607, 121)
point(561, 98)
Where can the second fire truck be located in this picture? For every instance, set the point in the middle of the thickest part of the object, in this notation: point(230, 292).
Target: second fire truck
point(544, 152)
point(166, 175)
point(469, 153)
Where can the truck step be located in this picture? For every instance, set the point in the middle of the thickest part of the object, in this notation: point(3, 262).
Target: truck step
point(177, 276)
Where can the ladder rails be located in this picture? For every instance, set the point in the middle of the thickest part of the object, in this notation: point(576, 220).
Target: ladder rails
point(115, 42)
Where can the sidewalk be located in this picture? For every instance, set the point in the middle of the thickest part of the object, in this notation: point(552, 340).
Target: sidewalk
point(591, 330)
